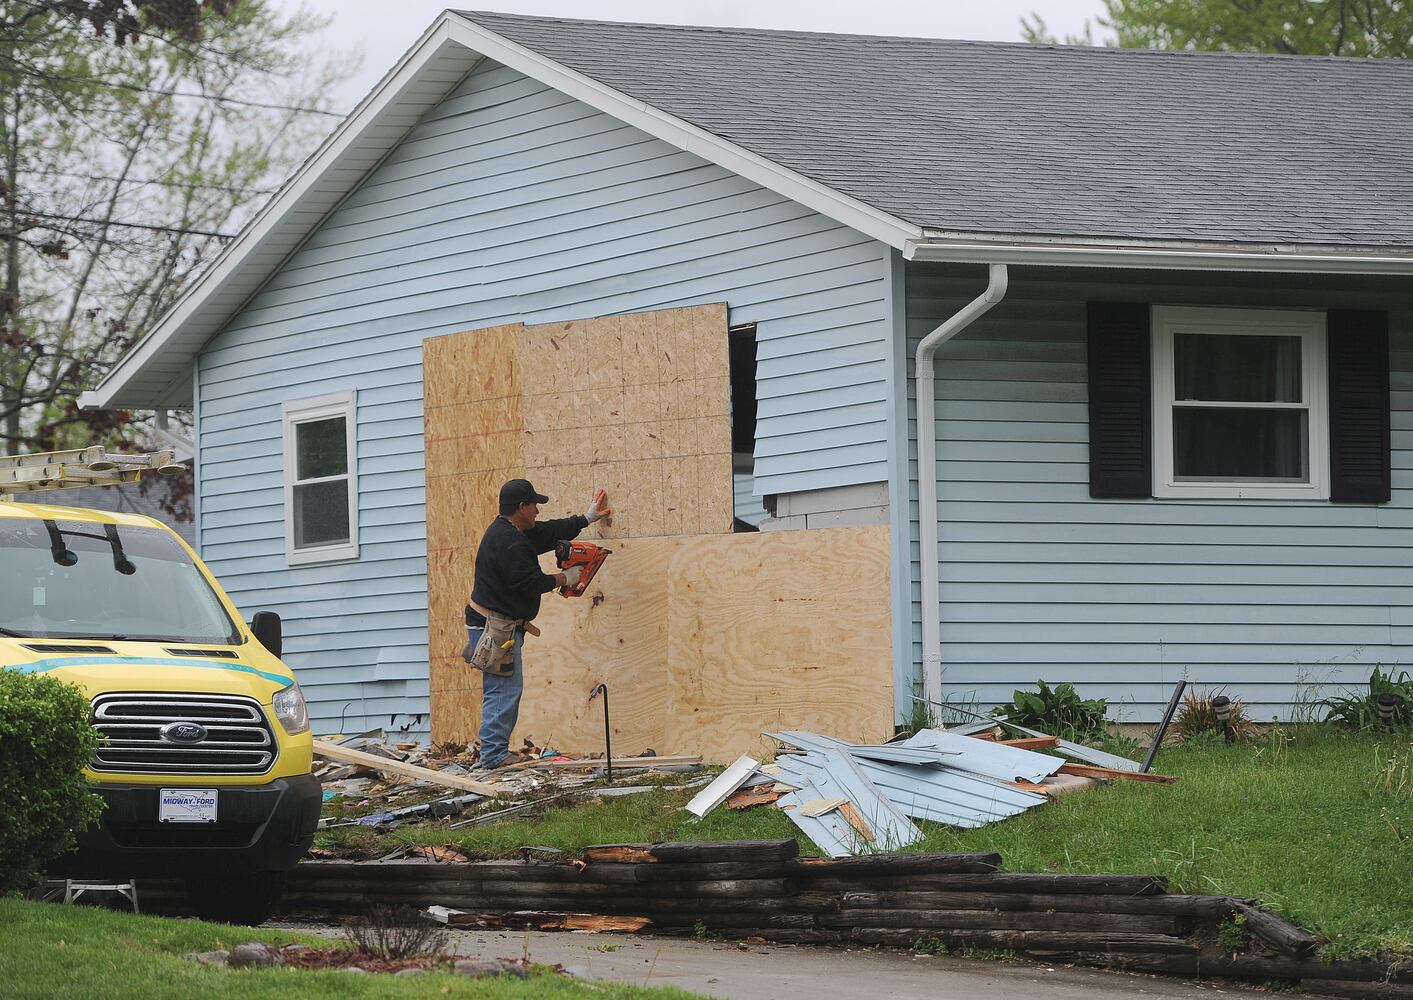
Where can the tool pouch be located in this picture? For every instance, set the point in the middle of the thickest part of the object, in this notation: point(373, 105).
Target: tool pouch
point(491, 654)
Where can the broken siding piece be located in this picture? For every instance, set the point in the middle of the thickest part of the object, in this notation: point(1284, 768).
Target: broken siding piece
point(834, 774)
point(1099, 758)
point(729, 780)
point(994, 760)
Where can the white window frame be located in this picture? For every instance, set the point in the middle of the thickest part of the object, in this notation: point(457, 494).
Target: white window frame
point(1310, 327)
point(302, 411)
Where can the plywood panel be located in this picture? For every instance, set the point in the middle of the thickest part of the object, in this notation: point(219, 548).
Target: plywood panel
point(615, 634)
point(637, 405)
point(780, 629)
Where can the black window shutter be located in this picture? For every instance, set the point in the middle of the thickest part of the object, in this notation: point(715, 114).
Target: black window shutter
point(1359, 406)
point(1120, 401)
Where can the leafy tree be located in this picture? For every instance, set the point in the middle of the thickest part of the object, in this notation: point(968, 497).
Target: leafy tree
point(1382, 28)
point(135, 136)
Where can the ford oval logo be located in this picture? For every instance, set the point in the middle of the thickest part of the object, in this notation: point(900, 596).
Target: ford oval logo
point(183, 732)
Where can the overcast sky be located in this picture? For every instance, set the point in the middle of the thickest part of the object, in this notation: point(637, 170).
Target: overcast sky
point(383, 31)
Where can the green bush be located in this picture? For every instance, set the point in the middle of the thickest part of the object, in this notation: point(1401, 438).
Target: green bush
point(45, 742)
point(1058, 711)
point(1359, 710)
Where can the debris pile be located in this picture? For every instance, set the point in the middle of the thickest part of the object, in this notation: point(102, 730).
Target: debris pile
point(860, 799)
point(370, 781)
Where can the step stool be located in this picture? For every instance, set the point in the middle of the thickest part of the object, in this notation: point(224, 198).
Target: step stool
point(70, 889)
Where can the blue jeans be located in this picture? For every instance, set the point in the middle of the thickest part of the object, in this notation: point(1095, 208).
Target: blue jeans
point(500, 704)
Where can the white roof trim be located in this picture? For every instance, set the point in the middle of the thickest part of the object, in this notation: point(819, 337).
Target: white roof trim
point(1302, 260)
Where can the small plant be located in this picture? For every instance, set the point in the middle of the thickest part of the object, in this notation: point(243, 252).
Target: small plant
point(1275, 748)
point(393, 932)
point(1232, 934)
point(699, 930)
point(1058, 711)
point(1198, 715)
point(606, 948)
point(1393, 770)
point(931, 946)
point(1356, 710)
point(987, 954)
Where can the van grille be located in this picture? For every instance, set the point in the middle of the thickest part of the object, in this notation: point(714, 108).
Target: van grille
point(238, 736)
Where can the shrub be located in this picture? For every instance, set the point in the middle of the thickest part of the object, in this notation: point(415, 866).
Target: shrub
point(1058, 711)
point(391, 932)
point(1197, 716)
point(45, 743)
point(1358, 710)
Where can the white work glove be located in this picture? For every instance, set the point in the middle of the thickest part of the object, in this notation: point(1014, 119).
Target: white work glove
point(595, 511)
point(572, 574)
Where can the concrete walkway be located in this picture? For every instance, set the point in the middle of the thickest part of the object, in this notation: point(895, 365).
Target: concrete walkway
point(791, 972)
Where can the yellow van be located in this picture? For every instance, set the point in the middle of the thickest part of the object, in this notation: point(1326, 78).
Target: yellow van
point(205, 763)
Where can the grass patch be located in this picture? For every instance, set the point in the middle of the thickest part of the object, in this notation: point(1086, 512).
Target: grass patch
point(649, 817)
point(1300, 819)
point(80, 951)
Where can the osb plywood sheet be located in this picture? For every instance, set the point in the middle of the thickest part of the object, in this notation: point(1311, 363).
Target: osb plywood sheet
point(788, 629)
point(639, 406)
point(704, 643)
point(616, 634)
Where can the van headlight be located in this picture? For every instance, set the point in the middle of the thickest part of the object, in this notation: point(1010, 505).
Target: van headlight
point(291, 710)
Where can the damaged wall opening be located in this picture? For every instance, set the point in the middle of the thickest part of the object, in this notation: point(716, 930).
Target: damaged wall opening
point(748, 509)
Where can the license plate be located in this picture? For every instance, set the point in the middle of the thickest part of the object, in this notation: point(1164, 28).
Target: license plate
point(187, 805)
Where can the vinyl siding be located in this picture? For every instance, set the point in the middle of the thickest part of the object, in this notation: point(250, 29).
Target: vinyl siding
point(1277, 602)
point(509, 202)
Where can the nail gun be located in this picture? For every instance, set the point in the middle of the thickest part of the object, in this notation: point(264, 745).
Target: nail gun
point(585, 554)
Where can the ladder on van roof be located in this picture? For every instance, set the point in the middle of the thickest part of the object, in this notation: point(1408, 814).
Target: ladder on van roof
point(95, 466)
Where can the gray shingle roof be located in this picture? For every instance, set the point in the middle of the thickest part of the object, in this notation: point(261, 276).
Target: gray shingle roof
point(994, 138)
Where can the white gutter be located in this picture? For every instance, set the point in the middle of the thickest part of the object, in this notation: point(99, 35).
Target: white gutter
point(927, 516)
point(184, 447)
point(1273, 259)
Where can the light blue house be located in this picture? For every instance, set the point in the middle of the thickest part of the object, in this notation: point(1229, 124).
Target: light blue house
point(1167, 389)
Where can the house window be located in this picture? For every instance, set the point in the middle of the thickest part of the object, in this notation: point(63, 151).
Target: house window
point(1239, 404)
point(321, 488)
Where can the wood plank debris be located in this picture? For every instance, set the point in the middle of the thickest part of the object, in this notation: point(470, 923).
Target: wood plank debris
point(332, 751)
point(1086, 771)
point(745, 798)
point(676, 760)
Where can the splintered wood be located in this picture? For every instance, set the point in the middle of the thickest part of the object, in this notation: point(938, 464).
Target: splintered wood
point(704, 638)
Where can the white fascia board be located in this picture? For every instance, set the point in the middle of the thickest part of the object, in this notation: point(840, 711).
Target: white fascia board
point(825, 200)
point(324, 160)
point(1267, 259)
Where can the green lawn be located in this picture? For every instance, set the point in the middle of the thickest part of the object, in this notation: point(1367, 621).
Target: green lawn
point(51, 950)
point(1314, 824)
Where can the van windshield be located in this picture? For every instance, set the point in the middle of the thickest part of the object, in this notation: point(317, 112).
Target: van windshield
point(78, 580)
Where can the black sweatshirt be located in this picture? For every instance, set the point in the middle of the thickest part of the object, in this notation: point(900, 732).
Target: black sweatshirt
point(509, 580)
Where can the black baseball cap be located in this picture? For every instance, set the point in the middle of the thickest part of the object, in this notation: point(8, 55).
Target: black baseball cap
point(519, 491)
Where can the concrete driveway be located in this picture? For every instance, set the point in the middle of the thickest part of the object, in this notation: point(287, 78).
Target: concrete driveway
point(792, 972)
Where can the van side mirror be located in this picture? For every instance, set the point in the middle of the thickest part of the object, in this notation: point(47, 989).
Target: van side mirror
point(267, 628)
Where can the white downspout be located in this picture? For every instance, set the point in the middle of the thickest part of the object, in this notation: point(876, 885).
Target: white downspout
point(927, 515)
point(184, 447)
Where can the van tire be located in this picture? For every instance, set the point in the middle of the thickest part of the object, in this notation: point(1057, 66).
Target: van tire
point(248, 900)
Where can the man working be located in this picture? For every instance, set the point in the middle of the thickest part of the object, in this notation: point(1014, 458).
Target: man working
point(505, 598)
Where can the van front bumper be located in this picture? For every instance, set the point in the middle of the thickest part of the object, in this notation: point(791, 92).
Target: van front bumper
point(258, 828)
